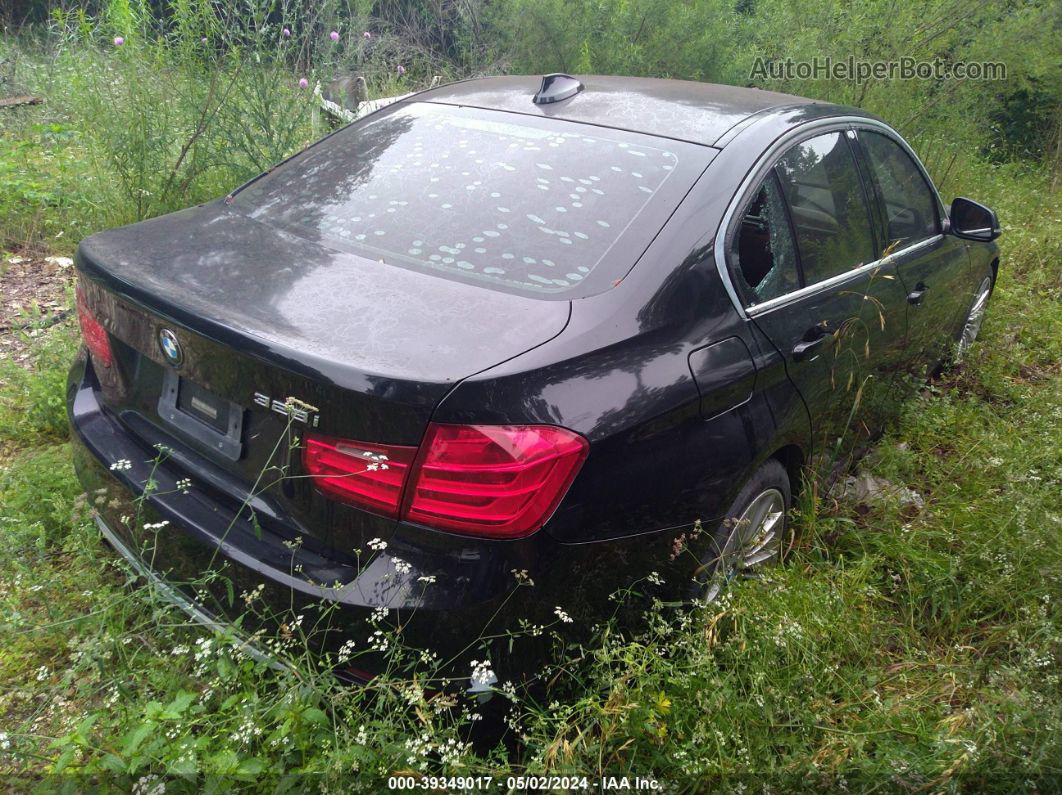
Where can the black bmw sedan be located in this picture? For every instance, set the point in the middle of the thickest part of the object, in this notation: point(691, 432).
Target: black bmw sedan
point(568, 331)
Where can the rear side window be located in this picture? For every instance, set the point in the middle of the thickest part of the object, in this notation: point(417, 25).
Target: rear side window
point(828, 206)
point(521, 204)
point(910, 207)
point(763, 247)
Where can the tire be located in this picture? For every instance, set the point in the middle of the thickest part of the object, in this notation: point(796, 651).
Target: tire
point(971, 327)
point(752, 534)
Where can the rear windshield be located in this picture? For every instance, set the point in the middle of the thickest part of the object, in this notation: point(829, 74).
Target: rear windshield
point(521, 204)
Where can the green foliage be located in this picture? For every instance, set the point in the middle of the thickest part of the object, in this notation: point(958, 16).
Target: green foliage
point(33, 399)
point(899, 650)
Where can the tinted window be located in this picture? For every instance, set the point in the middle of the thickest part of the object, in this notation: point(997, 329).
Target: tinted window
point(829, 211)
point(763, 248)
point(910, 208)
point(525, 205)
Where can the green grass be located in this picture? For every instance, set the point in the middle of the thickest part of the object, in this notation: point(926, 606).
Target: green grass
point(897, 650)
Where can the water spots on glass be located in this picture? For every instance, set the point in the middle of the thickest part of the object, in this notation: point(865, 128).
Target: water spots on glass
point(367, 192)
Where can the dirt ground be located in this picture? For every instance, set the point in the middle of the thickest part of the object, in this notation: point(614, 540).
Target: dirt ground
point(33, 297)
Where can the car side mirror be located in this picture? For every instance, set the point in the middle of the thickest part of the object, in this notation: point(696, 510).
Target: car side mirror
point(973, 221)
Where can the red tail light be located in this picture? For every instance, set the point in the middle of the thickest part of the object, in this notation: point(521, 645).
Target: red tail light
point(94, 334)
point(501, 481)
point(370, 476)
point(495, 481)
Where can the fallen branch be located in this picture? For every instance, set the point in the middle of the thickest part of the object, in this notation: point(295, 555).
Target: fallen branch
point(14, 102)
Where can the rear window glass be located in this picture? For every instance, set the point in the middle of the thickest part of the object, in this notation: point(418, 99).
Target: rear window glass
point(524, 205)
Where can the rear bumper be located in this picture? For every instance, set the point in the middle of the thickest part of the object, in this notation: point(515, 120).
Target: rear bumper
point(445, 591)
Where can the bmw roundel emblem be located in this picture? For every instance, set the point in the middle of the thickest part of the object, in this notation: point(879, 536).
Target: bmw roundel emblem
point(170, 347)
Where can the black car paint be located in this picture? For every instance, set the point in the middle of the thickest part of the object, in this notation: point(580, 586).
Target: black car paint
point(679, 394)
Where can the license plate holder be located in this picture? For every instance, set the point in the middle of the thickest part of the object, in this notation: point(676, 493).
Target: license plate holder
point(197, 412)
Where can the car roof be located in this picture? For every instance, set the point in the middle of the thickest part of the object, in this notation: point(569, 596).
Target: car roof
point(701, 113)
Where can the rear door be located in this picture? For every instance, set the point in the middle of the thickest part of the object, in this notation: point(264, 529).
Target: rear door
point(934, 267)
point(804, 259)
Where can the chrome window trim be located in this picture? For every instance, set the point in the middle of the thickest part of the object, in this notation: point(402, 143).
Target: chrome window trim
point(765, 161)
point(840, 278)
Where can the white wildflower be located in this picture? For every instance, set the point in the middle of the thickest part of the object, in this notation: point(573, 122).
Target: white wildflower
point(378, 545)
point(345, 652)
point(482, 675)
point(564, 617)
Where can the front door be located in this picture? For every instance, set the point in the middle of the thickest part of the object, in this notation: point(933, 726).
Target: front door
point(934, 267)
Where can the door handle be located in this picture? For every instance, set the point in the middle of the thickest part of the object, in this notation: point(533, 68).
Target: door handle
point(915, 297)
point(813, 339)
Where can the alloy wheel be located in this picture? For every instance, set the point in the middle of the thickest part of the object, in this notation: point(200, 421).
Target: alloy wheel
point(755, 538)
point(972, 327)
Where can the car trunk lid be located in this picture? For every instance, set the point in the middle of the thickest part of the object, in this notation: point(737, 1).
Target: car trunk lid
point(279, 336)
